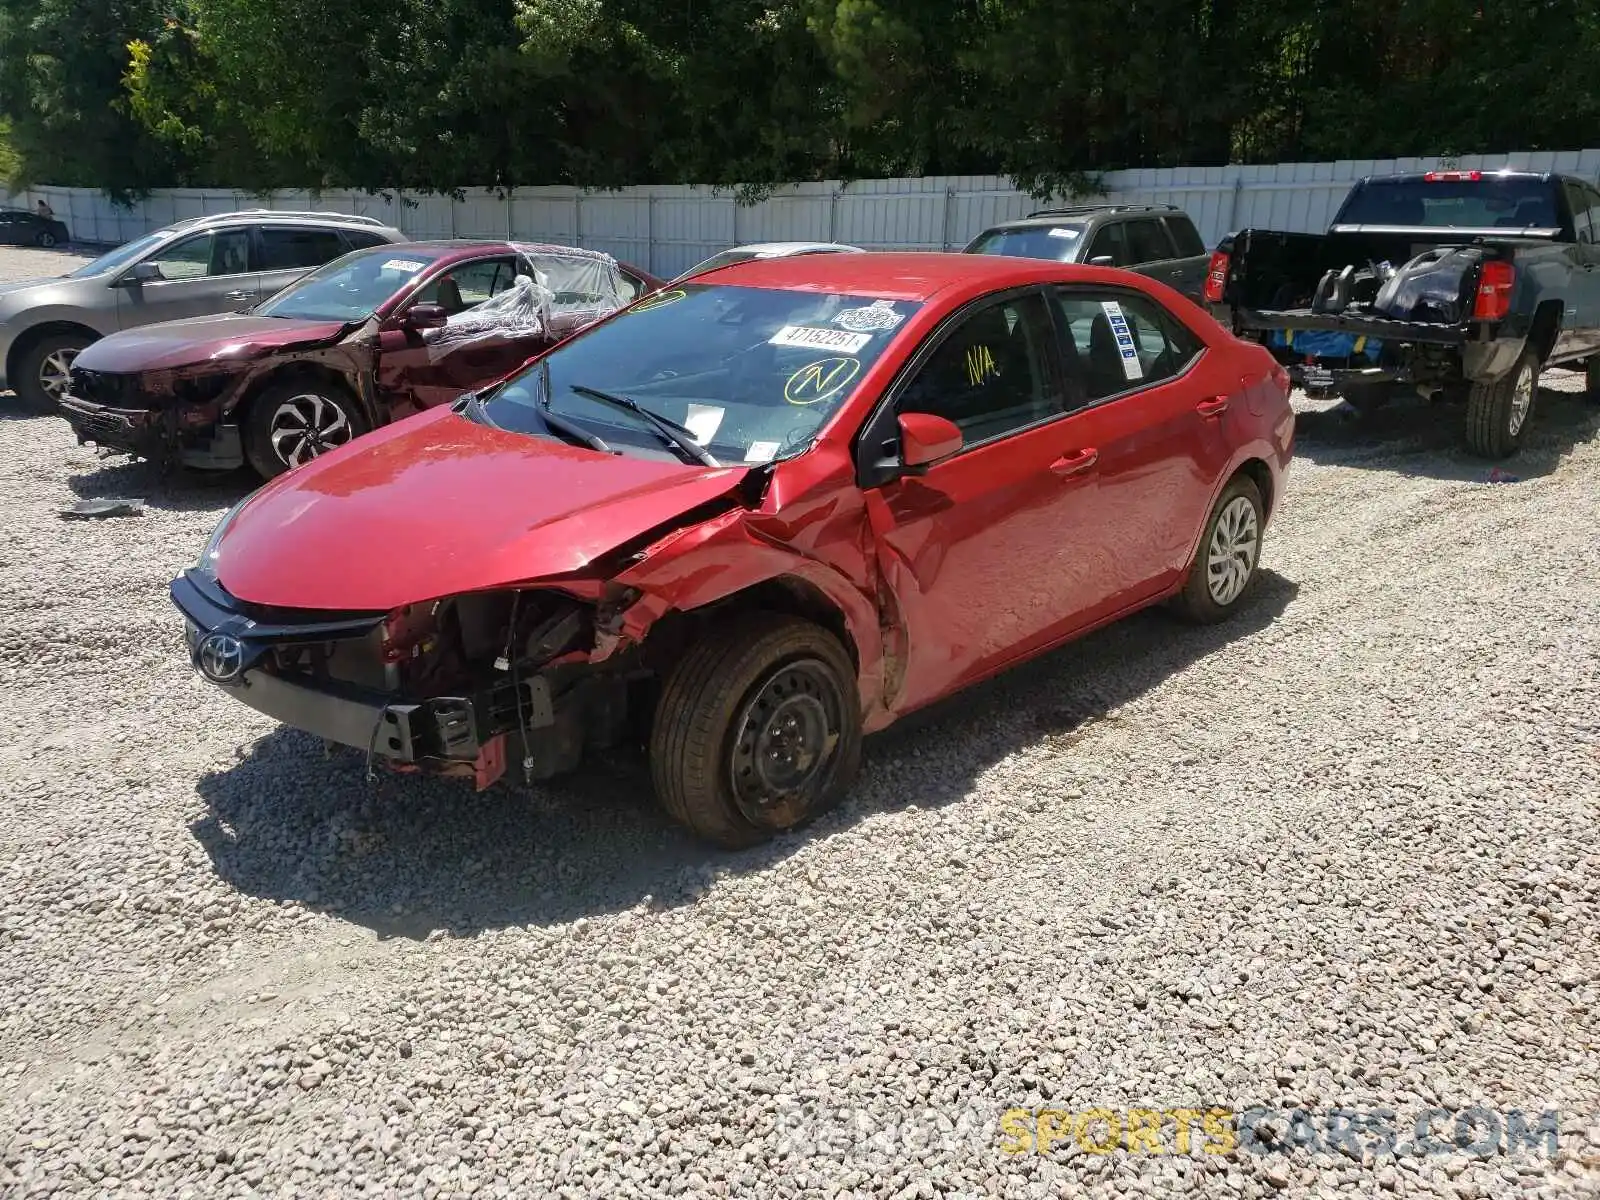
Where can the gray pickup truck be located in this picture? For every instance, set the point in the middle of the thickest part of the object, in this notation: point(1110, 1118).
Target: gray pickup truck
point(1460, 285)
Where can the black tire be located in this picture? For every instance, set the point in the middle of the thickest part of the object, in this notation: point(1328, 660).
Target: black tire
point(1206, 599)
point(1591, 378)
point(328, 417)
point(1498, 413)
point(46, 239)
point(1367, 397)
point(760, 677)
point(48, 353)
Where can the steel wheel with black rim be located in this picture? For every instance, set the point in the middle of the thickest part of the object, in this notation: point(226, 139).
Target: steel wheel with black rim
point(758, 730)
point(292, 423)
point(44, 371)
point(1230, 552)
point(1498, 412)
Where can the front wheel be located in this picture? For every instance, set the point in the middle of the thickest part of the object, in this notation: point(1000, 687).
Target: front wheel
point(1230, 551)
point(758, 730)
point(1498, 412)
point(292, 423)
point(44, 371)
point(46, 240)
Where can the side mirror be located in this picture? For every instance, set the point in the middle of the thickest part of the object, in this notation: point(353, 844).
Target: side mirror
point(426, 316)
point(926, 439)
point(1101, 260)
point(144, 272)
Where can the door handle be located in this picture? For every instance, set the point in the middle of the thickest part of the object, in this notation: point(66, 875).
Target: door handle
point(1076, 463)
point(236, 295)
point(1212, 408)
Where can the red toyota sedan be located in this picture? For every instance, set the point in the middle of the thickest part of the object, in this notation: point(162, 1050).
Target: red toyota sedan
point(747, 520)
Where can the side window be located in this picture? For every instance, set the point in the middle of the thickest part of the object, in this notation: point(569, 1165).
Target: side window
point(632, 285)
point(469, 285)
point(1109, 242)
point(991, 374)
point(1185, 238)
point(1115, 342)
point(284, 249)
point(1591, 198)
point(1147, 241)
point(223, 253)
point(359, 239)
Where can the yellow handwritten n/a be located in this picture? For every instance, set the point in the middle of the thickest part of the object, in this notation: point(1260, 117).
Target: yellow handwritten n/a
point(980, 364)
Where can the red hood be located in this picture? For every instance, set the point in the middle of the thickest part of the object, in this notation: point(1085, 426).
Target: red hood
point(437, 505)
point(231, 338)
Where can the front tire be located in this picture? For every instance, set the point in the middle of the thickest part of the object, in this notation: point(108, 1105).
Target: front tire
point(1230, 551)
point(44, 370)
point(46, 240)
point(291, 423)
point(1498, 412)
point(758, 730)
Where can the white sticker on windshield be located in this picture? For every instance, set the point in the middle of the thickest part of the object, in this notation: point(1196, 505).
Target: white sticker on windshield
point(409, 266)
point(874, 318)
point(761, 452)
point(1131, 366)
point(1069, 234)
point(825, 339)
point(702, 421)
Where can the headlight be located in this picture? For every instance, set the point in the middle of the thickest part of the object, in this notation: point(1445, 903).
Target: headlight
point(207, 563)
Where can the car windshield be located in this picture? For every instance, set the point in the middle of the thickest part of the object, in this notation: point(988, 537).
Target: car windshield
point(349, 288)
point(123, 255)
point(1054, 243)
point(1487, 203)
point(750, 373)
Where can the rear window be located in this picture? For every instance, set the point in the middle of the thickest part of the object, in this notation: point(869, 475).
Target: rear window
point(1488, 203)
point(1053, 243)
point(1147, 241)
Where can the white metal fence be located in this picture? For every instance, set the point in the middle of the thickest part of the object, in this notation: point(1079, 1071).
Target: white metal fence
point(666, 229)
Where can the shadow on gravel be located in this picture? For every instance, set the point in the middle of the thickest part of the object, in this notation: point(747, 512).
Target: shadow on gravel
point(178, 491)
point(407, 856)
point(1412, 437)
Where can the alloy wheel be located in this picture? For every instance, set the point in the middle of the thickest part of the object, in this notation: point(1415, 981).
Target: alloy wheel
point(1231, 558)
point(305, 426)
point(1521, 400)
point(55, 373)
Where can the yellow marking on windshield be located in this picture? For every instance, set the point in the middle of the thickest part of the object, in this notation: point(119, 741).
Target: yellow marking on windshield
point(819, 380)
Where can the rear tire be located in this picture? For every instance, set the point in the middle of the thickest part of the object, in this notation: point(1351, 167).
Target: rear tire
point(758, 730)
point(1591, 378)
point(42, 370)
point(1230, 551)
point(46, 240)
point(293, 422)
point(1498, 413)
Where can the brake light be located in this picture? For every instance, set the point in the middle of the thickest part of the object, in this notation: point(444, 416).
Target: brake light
point(1216, 277)
point(1452, 177)
point(1494, 291)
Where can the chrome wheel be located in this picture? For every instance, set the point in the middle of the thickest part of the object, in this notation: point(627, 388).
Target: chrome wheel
point(305, 426)
point(1231, 558)
point(1521, 400)
point(55, 372)
point(784, 741)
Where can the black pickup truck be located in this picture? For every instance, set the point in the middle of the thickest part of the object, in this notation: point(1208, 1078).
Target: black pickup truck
point(1457, 284)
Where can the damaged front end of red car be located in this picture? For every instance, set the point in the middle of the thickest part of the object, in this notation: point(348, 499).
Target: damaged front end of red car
point(529, 678)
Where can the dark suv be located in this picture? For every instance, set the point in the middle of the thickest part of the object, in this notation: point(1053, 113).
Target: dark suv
point(1155, 240)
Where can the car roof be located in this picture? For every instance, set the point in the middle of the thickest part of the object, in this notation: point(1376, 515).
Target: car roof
point(776, 248)
point(890, 275)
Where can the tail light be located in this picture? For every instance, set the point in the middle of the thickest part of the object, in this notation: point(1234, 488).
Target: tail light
point(1452, 177)
point(1494, 291)
point(1216, 277)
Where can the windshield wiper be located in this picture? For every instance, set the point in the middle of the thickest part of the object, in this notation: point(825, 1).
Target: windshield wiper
point(669, 429)
point(560, 424)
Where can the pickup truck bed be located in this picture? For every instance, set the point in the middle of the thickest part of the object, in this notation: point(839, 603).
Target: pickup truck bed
point(1472, 309)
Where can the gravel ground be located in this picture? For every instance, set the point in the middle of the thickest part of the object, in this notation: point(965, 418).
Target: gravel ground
point(1342, 853)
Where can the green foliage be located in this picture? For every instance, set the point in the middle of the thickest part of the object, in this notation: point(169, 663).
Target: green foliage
point(434, 94)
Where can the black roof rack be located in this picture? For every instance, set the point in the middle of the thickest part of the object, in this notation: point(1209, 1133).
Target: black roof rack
point(1083, 210)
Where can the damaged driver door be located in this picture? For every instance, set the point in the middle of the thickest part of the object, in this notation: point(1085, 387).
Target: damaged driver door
point(422, 368)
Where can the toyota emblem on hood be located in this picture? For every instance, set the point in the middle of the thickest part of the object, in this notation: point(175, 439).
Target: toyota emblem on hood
point(220, 657)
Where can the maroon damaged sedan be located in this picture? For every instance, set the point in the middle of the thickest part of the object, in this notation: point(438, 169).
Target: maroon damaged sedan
point(371, 337)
